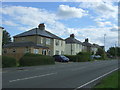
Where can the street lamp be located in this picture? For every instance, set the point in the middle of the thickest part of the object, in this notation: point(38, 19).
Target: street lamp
point(104, 45)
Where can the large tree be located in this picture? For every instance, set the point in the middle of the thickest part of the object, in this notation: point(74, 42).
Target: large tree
point(6, 38)
point(114, 51)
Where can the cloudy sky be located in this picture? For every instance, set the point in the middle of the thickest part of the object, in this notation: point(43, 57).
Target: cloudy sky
point(85, 19)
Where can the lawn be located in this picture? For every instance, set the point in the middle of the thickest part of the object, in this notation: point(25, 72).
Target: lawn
point(110, 81)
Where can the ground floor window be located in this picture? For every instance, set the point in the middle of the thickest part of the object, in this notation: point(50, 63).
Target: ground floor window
point(44, 52)
point(57, 52)
point(36, 51)
point(62, 52)
point(49, 53)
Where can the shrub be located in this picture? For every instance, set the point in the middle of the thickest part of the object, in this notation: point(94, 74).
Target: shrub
point(84, 56)
point(35, 59)
point(8, 61)
point(73, 58)
point(80, 57)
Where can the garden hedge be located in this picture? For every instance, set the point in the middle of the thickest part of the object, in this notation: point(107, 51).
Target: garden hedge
point(36, 59)
point(8, 61)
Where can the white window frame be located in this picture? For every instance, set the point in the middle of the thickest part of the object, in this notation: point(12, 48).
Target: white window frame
point(36, 51)
point(48, 41)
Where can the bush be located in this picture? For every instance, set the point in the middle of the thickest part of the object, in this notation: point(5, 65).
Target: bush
point(73, 58)
point(80, 57)
point(36, 59)
point(8, 61)
point(84, 56)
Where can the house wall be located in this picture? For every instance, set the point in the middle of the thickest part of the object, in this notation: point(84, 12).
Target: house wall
point(20, 51)
point(1, 30)
point(76, 48)
point(25, 39)
point(60, 47)
point(94, 50)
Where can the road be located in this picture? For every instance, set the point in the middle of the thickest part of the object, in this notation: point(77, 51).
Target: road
point(61, 75)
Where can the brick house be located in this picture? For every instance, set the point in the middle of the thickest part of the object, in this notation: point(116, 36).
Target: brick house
point(37, 40)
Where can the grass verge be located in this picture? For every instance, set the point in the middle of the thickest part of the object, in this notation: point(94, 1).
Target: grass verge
point(110, 81)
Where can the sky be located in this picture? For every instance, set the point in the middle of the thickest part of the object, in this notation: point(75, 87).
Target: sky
point(90, 20)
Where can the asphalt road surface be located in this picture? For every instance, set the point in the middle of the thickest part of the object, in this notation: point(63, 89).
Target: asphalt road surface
point(61, 75)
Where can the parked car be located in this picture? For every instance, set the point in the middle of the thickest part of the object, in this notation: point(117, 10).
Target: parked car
point(95, 56)
point(61, 58)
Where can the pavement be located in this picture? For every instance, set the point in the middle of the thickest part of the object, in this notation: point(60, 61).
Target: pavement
point(74, 75)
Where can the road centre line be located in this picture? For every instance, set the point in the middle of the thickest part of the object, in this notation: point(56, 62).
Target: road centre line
point(32, 77)
point(96, 79)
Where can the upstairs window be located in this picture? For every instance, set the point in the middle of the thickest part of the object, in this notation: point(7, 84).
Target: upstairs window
point(41, 40)
point(47, 41)
point(56, 42)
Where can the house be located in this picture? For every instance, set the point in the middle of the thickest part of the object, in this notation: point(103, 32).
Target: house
point(37, 40)
point(72, 46)
point(1, 30)
point(89, 47)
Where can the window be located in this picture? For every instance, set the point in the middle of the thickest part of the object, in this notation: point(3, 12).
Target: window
point(5, 51)
point(14, 50)
point(57, 52)
point(61, 43)
point(36, 51)
point(62, 52)
point(23, 38)
point(57, 42)
point(44, 52)
point(27, 50)
point(41, 40)
point(47, 41)
point(49, 53)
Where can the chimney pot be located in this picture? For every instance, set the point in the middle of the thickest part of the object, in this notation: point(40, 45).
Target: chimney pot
point(86, 40)
point(72, 35)
point(41, 26)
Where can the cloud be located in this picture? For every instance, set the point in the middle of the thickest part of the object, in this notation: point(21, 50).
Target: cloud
point(65, 11)
point(104, 10)
point(9, 23)
point(103, 24)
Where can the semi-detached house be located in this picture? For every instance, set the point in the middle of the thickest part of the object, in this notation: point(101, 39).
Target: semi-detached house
point(38, 41)
point(72, 46)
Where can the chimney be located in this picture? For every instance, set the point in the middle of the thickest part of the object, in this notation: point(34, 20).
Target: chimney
point(86, 40)
point(72, 35)
point(41, 26)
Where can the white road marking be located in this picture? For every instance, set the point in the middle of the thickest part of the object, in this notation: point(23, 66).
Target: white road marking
point(31, 77)
point(96, 79)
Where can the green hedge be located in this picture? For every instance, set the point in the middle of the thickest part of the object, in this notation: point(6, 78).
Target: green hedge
point(36, 59)
point(80, 57)
point(8, 61)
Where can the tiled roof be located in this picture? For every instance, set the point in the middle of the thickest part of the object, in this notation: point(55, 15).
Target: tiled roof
point(23, 44)
point(37, 31)
point(72, 40)
point(88, 44)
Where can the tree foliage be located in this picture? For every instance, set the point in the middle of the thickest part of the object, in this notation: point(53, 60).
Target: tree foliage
point(6, 38)
point(114, 51)
point(100, 51)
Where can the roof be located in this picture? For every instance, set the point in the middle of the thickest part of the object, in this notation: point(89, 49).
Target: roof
point(37, 31)
point(88, 44)
point(23, 44)
point(72, 40)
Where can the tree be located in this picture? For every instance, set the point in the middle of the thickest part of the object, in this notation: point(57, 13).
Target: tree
point(114, 51)
point(100, 51)
point(6, 38)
